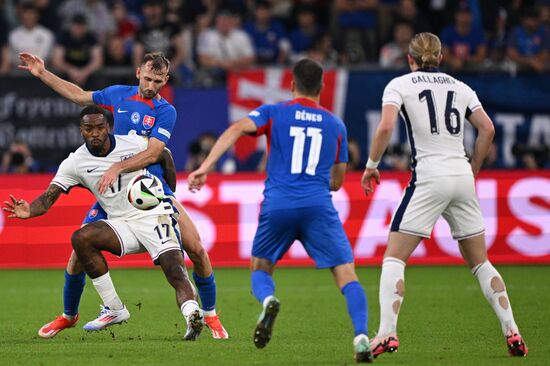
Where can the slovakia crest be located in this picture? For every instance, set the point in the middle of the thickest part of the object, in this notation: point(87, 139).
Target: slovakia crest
point(135, 117)
point(148, 121)
point(93, 213)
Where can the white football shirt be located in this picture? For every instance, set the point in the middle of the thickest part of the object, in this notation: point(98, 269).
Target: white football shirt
point(83, 169)
point(434, 106)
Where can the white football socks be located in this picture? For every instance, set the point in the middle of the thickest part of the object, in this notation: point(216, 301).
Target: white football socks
point(106, 290)
point(494, 290)
point(392, 290)
point(188, 307)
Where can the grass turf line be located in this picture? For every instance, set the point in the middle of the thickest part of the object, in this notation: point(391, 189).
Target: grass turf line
point(444, 320)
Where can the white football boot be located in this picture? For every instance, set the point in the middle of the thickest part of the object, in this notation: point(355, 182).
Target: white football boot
point(107, 317)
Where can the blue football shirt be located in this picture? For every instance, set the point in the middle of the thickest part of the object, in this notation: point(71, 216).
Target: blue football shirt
point(135, 115)
point(304, 142)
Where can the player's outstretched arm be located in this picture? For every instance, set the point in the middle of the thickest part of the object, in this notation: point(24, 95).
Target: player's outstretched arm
point(378, 146)
point(35, 65)
point(486, 132)
point(21, 209)
point(149, 156)
point(240, 128)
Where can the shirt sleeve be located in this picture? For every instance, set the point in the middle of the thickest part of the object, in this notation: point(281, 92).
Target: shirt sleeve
point(262, 118)
point(103, 97)
point(474, 102)
point(342, 148)
point(166, 120)
point(392, 95)
point(66, 176)
point(246, 46)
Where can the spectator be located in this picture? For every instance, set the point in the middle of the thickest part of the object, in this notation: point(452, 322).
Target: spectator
point(354, 154)
point(409, 12)
point(528, 45)
point(126, 26)
point(323, 52)
point(99, 19)
point(30, 36)
point(18, 159)
point(116, 53)
point(356, 35)
point(463, 44)
point(199, 150)
point(5, 63)
point(226, 47)
point(49, 17)
point(301, 38)
point(78, 52)
point(394, 54)
point(157, 35)
point(531, 157)
point(268, 36)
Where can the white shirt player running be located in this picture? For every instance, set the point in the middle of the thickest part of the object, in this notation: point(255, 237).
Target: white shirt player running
point(434, 106)
point(81, 168)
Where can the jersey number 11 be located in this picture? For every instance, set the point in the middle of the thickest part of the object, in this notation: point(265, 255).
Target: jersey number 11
point(299, 145)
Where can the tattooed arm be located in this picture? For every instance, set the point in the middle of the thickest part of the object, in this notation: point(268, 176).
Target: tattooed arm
point(21, 209)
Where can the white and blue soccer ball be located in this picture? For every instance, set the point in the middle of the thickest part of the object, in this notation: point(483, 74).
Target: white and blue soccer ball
point(145, 191)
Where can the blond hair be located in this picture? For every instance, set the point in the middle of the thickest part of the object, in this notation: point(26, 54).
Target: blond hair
point(425, 49)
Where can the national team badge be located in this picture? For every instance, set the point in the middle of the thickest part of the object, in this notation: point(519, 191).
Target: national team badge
point(148, 121)
point(135, 117)
point(93, 213)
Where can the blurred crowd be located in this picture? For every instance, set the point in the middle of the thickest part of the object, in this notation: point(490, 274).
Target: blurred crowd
point(206, 38)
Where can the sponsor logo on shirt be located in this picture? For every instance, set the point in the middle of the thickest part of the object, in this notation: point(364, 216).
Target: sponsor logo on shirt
point(135, 117)
point(306, 116)
point(148, 121)
point(254, 114)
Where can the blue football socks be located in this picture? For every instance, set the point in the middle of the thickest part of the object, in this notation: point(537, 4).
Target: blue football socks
point(207, 291)
point(357, 306)
point(262, 285)
point(72, 292)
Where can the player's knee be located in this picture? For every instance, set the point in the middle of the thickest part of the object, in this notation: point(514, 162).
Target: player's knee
point(81, 239)
point(196, 252)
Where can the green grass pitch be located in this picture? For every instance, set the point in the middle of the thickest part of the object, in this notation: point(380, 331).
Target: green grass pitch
point(445, 320)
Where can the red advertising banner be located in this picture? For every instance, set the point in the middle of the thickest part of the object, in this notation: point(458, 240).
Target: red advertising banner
point(515, 205)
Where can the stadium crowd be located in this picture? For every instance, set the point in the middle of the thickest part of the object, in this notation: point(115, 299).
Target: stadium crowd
point(206, 38)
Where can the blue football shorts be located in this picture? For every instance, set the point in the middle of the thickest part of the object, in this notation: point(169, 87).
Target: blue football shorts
point(318, 228)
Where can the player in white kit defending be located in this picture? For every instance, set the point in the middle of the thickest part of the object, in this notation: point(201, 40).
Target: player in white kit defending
point(127, 229)
point(434, 106)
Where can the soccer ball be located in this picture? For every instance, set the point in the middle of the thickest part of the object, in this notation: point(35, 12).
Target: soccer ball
point(145, 192)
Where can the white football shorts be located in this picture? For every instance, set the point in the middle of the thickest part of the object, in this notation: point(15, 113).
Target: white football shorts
point(155, 234)
point(424, 201)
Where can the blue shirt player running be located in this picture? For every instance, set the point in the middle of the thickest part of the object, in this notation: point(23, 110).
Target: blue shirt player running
point(307, 159)
point(137, 110)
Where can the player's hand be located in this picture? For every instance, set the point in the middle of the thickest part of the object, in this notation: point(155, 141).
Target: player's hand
point(366, 180)
point(17, 208)
point(108, 179)
point(197, 179)
point(31, 63)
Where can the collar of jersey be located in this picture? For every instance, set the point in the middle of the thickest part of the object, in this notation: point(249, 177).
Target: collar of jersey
point(428, 69)
point(113, 145)
point(137, 98)
point(305, 102)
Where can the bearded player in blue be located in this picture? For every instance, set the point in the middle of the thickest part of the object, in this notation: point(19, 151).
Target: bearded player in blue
point(137, 110)
point(307, 148)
